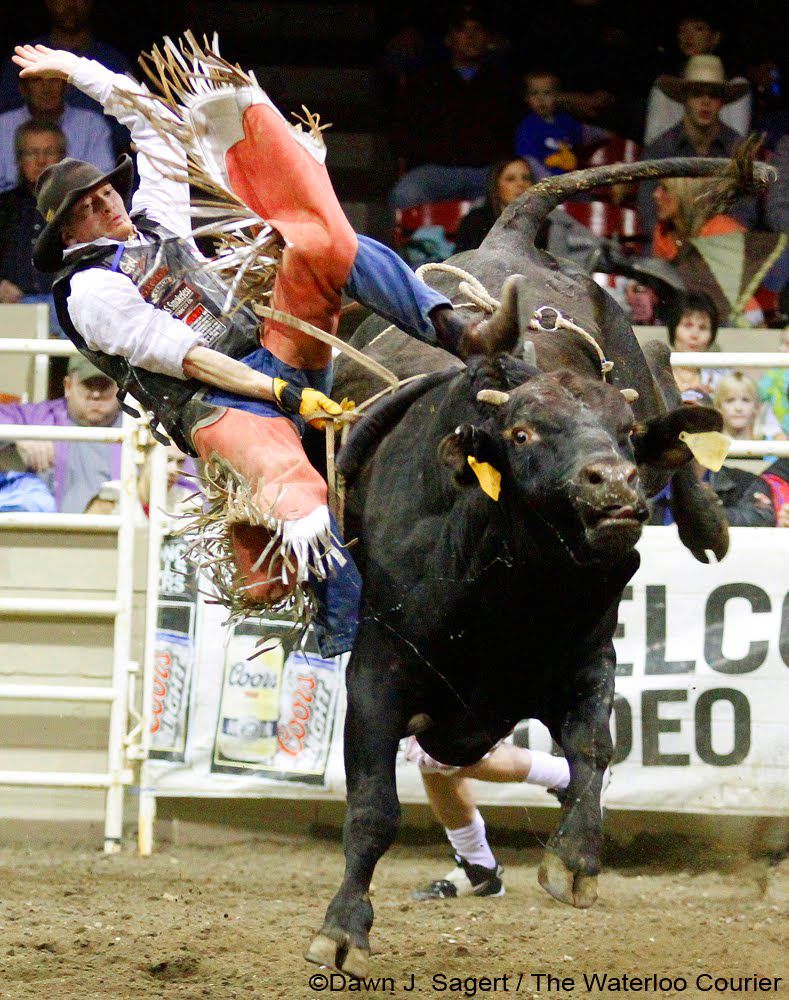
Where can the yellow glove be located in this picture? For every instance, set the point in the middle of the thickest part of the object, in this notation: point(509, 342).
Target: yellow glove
point(565, 159)
point(311, 404)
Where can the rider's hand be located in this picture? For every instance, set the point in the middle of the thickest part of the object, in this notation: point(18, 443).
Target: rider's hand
point(38, 456)
point(41, 61)
point(311, 404)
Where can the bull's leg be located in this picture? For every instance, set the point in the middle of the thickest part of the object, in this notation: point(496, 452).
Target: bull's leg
point(375, 723)
point(571, 862)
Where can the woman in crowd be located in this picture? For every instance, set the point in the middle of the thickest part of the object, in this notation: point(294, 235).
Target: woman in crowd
point(507, 180)
point(688, 207)
point(693, 326)
point(694, 233)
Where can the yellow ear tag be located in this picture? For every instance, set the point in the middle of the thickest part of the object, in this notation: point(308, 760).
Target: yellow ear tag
point(709, 448)
point(489, 478)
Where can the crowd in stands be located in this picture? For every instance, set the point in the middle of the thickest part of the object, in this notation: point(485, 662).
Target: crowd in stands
point(476, 119)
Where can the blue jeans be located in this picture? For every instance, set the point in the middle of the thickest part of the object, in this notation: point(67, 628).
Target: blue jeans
point(431, 182)
point(383, 282)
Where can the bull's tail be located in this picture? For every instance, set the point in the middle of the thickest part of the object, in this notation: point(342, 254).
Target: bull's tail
point(523, 218)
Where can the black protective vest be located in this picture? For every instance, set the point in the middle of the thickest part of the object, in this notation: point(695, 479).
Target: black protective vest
point(168, 274)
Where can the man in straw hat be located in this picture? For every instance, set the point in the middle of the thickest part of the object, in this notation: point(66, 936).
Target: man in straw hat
point(136, 297)
point(703, 90)
point(698, 33)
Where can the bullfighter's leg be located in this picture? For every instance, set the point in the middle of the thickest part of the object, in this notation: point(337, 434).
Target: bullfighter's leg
point(451, 798)
point(571, 862)
point(376, 720)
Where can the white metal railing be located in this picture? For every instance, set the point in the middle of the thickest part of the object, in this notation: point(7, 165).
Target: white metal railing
point(729, 359)
point(743, 448)
point(119, 693)
point(158, 524)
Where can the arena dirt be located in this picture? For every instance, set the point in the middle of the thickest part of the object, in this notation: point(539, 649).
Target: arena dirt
point(233, 922)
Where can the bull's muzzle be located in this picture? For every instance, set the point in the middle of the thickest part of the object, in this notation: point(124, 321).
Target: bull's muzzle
point(610, 502)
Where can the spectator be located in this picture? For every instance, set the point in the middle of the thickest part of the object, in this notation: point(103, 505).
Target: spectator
point(693, 326)
point(182, 486)
point(507, 180)
point(70, 28)
point(703, 91)
point(24, 491)
point(452, 120)
point(37, 145)
point(87, 134)
point(774, 387)
point(642, 302)
point(695, 233)
point(74, 471)
point(737, 398)
point(687, 207)
point(697, 35)
point(746, 499)
point(777, 478)
point(546, 135)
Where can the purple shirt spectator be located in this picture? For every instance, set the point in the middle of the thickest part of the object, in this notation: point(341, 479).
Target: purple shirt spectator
point(94, 467)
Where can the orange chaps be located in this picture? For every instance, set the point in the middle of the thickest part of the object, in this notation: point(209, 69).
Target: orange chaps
point(281, 181)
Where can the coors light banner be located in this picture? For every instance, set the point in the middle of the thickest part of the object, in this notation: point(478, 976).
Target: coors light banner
point(175, 651)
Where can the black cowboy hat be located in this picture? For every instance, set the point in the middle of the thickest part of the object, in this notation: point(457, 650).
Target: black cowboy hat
point(59, 188)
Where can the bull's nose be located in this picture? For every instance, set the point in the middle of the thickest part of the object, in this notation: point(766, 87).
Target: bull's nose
point(607, 472)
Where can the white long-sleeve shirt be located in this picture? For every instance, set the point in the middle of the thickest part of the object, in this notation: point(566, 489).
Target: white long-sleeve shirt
point(106, 306)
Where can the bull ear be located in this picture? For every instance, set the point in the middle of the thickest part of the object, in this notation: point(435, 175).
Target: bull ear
point(657, 442)
point(472, 456)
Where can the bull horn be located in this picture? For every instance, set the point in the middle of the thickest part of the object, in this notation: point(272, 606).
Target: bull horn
point(493, 396)
point(631, 395)
point(499, 332)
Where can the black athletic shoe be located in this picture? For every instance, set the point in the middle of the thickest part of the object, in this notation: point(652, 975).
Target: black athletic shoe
point(464, 880)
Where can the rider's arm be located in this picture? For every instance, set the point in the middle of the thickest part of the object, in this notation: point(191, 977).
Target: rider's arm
point(111, 315)
point(163, 191)
point(163, 196)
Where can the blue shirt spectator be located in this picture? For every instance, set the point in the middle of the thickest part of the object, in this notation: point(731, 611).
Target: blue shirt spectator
point(87, 134)
point(70, 29)
point(545, 135)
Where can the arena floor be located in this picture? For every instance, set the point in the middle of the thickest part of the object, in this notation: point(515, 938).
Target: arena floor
point(234, 922)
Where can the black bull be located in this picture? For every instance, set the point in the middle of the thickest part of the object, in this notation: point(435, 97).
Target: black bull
point(484, 607)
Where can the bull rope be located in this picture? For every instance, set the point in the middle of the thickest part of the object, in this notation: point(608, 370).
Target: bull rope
point(480, 297)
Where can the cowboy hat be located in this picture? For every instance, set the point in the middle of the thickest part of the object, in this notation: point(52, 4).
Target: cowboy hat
point(702, 75)
point(59, 188)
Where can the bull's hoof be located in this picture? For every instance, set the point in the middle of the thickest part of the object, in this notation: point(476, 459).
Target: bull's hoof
point(356, 963)
point(323, 950)
point(349, 959)
point(555, 877)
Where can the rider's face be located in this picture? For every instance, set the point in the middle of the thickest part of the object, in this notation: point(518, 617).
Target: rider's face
point(100, 212)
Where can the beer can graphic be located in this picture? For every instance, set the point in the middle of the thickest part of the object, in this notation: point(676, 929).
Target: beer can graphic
point(171, 685)
point(249, 707)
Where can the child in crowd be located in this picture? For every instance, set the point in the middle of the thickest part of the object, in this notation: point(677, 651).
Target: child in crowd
point(548, 136)
point(737, 399)
point(774, 387)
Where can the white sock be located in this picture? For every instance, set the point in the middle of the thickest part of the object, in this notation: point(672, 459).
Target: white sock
point(548, 771)
point(471, 843)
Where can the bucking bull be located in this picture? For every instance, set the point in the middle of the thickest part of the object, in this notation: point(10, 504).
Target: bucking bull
point(498, 506)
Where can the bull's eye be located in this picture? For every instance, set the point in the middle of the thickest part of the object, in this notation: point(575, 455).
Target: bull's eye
point(523, 435)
